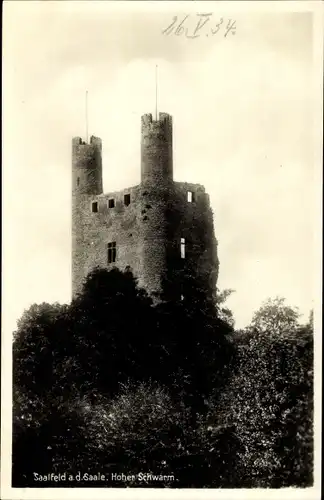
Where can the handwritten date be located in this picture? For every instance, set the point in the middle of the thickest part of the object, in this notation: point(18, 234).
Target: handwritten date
point(202, 25)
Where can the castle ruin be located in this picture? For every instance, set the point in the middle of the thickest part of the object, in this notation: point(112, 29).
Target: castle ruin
point(159, 228)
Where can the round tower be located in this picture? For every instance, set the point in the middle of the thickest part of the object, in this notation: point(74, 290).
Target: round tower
point(156, 190)
point(86, 166)
point(86, 183)
point(156, 149)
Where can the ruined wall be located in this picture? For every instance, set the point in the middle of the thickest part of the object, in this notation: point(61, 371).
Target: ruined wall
point(148, 228)
point(152, 249)
point(120, 224)
point(193, 222)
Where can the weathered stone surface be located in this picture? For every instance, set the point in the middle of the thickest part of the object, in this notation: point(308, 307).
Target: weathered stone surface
point(148, 230)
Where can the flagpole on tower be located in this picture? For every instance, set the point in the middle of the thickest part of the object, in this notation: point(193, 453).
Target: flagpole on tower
point(86, 111)
point(156, 90)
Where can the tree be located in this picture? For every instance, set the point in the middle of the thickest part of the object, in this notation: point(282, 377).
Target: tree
point(274, 316)
point(197, 337)
point(311, 319)
point(269, 401)
point(111, 324)
point(62, 353)
point(34, 340)
point(224, 312)
point(71, 362)
point(144, 429)
point(33, 404)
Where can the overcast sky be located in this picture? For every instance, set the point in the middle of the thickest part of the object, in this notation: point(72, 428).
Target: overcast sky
point(242, 106)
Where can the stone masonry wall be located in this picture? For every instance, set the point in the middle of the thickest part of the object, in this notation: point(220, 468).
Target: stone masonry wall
point(150, 248)
point(86, 181)
point(120, 224)
point(148, 230)
point(192, 221)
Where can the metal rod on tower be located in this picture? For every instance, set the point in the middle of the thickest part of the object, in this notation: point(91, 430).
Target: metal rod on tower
point(156, 90)
point(86, 116)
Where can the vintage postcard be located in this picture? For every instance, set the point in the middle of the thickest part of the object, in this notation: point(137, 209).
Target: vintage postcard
point(162, 232)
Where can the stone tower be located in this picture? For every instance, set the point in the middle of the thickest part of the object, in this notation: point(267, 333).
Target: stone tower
point(159, 228)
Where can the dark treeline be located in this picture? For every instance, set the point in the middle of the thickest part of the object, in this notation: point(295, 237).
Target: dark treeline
point(115, 384)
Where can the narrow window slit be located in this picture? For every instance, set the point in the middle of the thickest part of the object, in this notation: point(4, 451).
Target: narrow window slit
point(183, 248)
point(190, 197)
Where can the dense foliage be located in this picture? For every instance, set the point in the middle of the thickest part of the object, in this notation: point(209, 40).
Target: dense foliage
point(113, 383)
point(269, 400)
